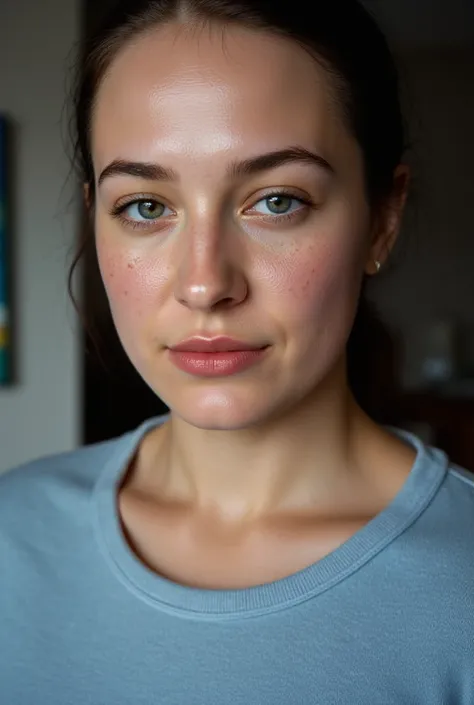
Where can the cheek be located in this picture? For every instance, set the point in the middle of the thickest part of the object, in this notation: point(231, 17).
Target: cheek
point(314, 281)
point(131, 281)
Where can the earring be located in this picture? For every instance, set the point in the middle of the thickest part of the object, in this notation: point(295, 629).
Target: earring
point(377, 265)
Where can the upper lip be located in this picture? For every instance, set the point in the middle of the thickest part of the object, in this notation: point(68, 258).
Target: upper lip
point(210, 345)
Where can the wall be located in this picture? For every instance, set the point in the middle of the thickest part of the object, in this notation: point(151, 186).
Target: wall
point(433, 270)
point(40, 414)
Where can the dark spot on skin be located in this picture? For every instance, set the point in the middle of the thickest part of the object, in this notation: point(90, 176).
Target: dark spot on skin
point(133, 263)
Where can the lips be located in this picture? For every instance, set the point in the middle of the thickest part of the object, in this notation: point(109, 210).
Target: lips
point(215, 357)
point(214, 345)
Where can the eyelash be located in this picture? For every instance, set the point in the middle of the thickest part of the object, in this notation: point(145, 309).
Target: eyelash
point(285, 217)
point(118, 210)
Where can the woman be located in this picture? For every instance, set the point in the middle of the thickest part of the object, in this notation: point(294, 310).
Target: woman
point(266, 542)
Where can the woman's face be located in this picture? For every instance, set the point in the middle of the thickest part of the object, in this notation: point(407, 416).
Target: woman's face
point(229, 202)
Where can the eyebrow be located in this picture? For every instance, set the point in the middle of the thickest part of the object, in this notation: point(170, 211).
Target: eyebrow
point(272, 160)
point(144, 170)
point(238, 169)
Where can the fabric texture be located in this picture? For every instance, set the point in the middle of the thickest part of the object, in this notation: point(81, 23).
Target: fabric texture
point(386, 618)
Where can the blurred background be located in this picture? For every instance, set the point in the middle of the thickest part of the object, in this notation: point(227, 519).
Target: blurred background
point(61, 393)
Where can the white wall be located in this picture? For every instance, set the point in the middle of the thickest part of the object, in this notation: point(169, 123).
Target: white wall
point(40, 414)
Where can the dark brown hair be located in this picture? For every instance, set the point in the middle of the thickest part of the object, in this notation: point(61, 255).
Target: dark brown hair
point(340, 34)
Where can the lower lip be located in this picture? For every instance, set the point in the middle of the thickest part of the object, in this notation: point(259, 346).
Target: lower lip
point(216, 364)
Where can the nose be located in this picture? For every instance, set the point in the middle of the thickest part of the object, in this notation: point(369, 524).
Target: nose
point(209, 276)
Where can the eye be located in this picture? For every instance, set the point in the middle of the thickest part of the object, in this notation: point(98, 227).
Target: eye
point(145, 210)
point(278, 204)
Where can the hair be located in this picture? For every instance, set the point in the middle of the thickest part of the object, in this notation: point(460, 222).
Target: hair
point(340, 34)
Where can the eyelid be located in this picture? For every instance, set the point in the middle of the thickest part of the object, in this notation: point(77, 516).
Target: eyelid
point(307, 203)
point(286, 191)
point(268, 193)
point(118, 212)
point(126, 201)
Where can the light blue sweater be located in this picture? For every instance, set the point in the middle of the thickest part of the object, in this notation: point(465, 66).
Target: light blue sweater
point(388, 617)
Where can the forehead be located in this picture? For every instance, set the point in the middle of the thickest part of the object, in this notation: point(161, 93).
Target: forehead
point(211, 91)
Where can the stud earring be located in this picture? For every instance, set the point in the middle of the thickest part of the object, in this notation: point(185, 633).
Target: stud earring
point(377, 265)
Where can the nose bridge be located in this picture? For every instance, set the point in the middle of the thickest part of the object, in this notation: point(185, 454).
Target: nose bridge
point(208, 270)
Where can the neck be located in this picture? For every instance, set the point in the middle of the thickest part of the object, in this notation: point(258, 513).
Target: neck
point(301, 460)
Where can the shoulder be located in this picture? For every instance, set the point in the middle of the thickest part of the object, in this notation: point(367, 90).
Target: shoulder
point(52, 485)
point(439, 543)
point(443, 492)
point(456, 495)
point(462, 479)
point(80, 464)
point(53, 488)
point(450, 502)
point(454, 507)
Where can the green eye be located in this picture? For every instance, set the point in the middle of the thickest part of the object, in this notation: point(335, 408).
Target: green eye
point(145, 210)
point(278, 204)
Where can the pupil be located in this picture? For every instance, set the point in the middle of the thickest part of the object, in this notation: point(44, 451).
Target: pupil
point(279, 204)
point(150, 209)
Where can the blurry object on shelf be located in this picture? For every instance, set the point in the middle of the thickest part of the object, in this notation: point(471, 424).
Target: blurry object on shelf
point(437, 399)
point(431, 356)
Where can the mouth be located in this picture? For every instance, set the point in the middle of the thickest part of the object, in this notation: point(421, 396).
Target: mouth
point(221, 344)
point(215, 357)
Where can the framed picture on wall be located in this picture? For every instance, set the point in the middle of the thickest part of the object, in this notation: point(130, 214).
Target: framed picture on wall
point(5, 337)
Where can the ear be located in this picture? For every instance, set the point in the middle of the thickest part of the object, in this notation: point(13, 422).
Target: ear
point(387, 224)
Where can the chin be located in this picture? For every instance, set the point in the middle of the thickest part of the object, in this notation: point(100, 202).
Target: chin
point(219, 410)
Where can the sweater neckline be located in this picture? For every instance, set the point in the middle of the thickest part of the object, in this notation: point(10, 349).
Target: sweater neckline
point(422, 483)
